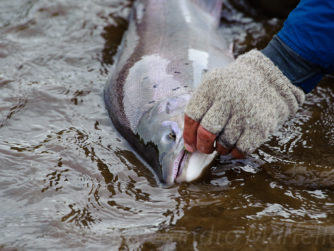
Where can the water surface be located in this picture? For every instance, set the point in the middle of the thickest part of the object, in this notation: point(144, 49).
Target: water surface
point(69, 181)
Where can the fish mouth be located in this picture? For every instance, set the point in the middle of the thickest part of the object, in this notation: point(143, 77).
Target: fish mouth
point(192, 165)
point(179, 163)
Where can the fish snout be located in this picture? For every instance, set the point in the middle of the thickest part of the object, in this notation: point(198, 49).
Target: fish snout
point(193, 166)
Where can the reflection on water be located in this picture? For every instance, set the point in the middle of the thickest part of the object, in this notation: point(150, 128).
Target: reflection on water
point(302, 152)
point(68, 180)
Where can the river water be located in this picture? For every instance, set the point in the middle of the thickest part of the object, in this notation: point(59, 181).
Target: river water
point(69, 181)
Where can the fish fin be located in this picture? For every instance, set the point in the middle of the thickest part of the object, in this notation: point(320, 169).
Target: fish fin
point(213, 7)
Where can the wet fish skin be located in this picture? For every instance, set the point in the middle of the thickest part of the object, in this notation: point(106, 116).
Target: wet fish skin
point(167, 48)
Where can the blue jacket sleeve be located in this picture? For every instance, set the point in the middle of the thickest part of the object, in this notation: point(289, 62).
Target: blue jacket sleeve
point(308, 33)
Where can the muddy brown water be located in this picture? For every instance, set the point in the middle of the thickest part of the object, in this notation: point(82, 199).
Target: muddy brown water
point(69, 181)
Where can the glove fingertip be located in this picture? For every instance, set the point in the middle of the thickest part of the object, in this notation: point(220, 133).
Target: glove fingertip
point(205, 140)
point(190, 133)
point(237, 154)
point(221, 149)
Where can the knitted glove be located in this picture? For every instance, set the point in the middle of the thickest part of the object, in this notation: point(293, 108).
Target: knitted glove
point(240, 106)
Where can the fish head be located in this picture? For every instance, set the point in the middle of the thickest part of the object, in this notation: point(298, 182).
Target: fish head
point(162, 126)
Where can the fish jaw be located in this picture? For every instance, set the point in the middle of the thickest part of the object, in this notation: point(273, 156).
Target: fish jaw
point(192, 166)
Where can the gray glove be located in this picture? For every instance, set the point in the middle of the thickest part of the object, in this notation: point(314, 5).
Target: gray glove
point(244, 103)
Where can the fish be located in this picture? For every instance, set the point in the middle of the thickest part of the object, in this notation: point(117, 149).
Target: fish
point(167, 48)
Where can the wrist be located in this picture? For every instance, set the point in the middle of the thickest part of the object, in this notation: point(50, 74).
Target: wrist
point(298, 70)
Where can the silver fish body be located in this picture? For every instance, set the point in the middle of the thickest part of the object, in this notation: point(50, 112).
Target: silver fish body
point(168, 46)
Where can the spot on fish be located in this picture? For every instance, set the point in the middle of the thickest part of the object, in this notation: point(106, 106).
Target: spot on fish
point(185, 86)
point(176, 88)
point(177, 72)
point(96, 125)
point(168, 108)
point(155, 86)
point(151, 102)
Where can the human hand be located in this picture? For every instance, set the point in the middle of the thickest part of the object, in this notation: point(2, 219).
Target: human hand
point(235, 109)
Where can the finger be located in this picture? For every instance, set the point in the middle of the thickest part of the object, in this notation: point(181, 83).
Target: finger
point(251, 139)
point(231, 133)
point(221, 149)
point(234, 152)
point(190, 133)
point(216, 117)
point(201, 100)
point(205, 140)
point(237, 154)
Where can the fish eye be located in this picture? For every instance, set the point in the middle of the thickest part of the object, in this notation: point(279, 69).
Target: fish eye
point(172, 136)
point(170, 131)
